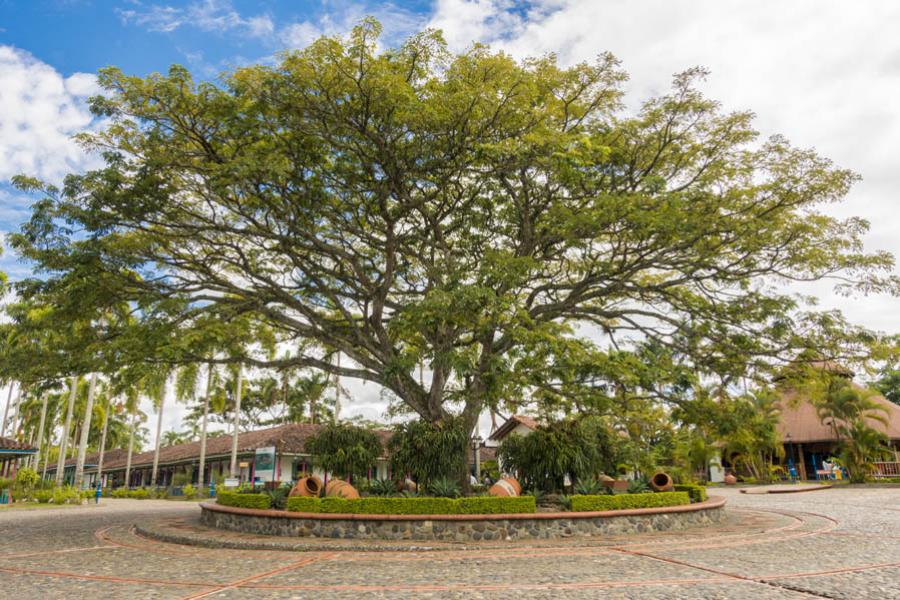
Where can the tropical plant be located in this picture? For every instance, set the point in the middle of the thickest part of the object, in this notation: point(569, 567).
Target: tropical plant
point(577, 449)
point(861, 446)
point(590, 487)
point(278, 497)
point(344, 450)
point(444, 488)
point(638, 486)
point(382, 487)
point(429, 451)
point(188, 490)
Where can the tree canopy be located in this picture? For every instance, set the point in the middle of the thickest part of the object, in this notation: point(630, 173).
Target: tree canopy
point(507, 223)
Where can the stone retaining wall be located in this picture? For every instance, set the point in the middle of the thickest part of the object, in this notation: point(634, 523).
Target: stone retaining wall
point(462, 528)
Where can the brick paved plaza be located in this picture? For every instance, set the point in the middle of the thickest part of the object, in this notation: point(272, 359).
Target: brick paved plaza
point(839, 543)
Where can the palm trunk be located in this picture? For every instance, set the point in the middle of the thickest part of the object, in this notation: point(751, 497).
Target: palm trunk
point(200, 479)
point(14, 417)
point(236, 425)
point(159, 422)
point(103, 443)
point(130, 448)
point(12, 384)
point(85, 433)
point(40, 438)
point(61, 462)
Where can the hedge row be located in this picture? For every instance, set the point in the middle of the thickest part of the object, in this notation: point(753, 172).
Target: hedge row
point(482, 505)
point(628, 501)
point(696, 492)
point(226, 498)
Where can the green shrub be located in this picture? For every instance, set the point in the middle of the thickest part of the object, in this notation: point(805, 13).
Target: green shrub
point(414, 506)
point(638, 486)
point(277, 497)
point(444, 488)
point(227, 498)
point(5, 483)
point(121, 492)
point(628, 501)
point(304, 504)
point(189, 490)
point(43, 496)
point(430, 451)
point(382, 487)
point(139, 494)
point(344, 449)
point(590, 487)
point(66, 495)
point(696, 492)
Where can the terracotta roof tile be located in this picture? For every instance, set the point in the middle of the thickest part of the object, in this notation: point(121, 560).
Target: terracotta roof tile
point(11, 444)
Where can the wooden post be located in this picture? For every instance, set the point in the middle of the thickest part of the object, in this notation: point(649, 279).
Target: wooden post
point(802, 462)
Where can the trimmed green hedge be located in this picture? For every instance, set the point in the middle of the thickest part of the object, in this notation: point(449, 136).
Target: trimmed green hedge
point(696, 492)
point(243, 500)
point(628, 501)
point(482, 505)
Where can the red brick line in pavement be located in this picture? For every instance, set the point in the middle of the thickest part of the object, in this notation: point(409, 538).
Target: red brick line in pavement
point(239, 582)
point(832, 571)
point(731, 576)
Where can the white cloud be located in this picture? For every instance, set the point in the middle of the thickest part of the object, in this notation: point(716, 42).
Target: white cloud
point(39, 112)
point(208, 15)
point(824, 73)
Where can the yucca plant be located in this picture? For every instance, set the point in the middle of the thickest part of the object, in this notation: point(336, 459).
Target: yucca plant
point(638, 486)
point(382, 487)
point(444, 488)
point(590, 487)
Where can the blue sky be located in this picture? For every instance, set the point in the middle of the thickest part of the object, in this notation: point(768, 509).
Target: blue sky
point(825, 73)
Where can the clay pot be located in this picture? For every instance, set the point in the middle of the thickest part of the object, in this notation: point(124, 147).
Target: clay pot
point(506, 487)
point(407, 485)
point(616, 485)
point(308, 486)
point(662, 482)
point(730, 479)
point(338, 488)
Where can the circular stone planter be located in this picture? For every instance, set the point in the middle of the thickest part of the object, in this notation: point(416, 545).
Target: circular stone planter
point(462, 528)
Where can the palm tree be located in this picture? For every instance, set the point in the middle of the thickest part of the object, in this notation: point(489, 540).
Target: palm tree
point(85, 433)
point(9, 401)
point(170, 438)
point(236, 424)
point(203, 426)
point(61, 461)
point(155, 388)
point(132, 398)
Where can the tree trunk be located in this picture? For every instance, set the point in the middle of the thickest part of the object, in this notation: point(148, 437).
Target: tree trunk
point(103, 442)
point(130, 448)
point(61, 461)
point(85, 433)
point(12, 384)
point(40, 438)
point(200, 479)
point(159, 421)
point(236, 425)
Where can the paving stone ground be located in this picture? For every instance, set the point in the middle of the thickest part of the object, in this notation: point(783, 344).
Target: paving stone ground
point(836, 543)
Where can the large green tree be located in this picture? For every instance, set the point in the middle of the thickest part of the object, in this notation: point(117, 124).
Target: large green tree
point(489, 217)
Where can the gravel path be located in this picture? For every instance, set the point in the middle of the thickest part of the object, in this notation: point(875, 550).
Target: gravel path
point(836, 543)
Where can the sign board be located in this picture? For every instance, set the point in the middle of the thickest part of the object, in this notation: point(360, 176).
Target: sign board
point(232, 482)
point(243, 465)
point(264, 464)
